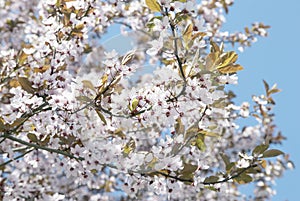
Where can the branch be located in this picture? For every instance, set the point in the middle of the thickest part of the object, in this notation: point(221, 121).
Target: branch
point(35, 111)
point(190, 138)
point(177, 58)
point(230, 177)
point(11, 160)
point(204, 183)
point(176, 49)
point(175, 177)
point(51, 150)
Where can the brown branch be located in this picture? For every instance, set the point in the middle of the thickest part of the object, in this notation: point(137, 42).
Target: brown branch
point(230, 177)
point(204, 183)
point(178, 60)
point(36, 146)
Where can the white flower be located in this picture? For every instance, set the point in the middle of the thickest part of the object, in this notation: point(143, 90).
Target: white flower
point(111, 55)
point(156, 46)
point(244, 111)
point(243, 163)
point(29, 50)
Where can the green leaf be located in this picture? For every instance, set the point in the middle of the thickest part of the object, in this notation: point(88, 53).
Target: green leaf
point(211, 179)
point(188, 171)
point(212, 188)
point(260, 149)
point(101, 116)
point(134, 104)
point(209, 133)
point(26, 85)
point(272, 153)
point(243, 179)
point(83, 99)
point(200, 142)
point(129, 147)
point(225, 159)
point(119, 132)
point(88, 84)
point(230, 166)
point(253, 170)
point(153, 5)
point(191, 132)
point(32, 137)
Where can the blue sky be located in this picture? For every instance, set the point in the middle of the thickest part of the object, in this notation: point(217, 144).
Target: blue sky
point(273, 59)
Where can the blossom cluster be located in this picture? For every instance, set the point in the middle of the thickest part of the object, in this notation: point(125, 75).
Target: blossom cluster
point(78, 122)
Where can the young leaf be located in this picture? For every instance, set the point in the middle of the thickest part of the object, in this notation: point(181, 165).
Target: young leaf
point(41, 69)
point(191, 132)
point(228, 58)
point(263, 164)
point(179, 127)
point(22, 58)
point(132, 107)
point(32, 137)
point(272, 153)
point(187, 34)
point(212, 59)
point(214, 47)
point(212, 188)
point(260, 149)
point(225, 159)
point(209, 133)
point(266, 86)
point(243, 179)
point(18, 122)
point(153, 5)
point(26, 85)
point(188, 171)
point(83, 99)
point(128, 57)
point(211, 179)
point(101, 116)
point(2, 126)
point(129, 147)
point(230, 166)
point(45, 141)
point(200, 144)
point(273, 90)
point(88, 84)
point(119, 132)
point(231, 68)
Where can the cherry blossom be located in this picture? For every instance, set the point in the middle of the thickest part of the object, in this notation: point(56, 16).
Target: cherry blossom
point(78, 122)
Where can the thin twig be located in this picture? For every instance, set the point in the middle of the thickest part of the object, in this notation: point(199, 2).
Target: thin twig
point(190, 138)
point(16, 158)
point(177, 58)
